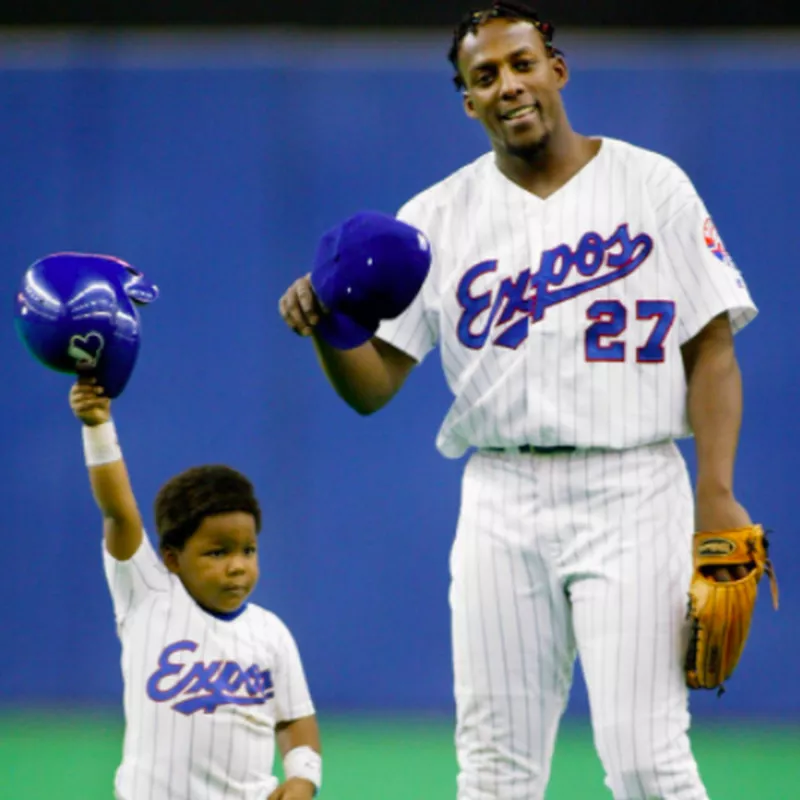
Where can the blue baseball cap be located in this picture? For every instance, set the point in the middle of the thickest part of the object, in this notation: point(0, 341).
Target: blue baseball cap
point(368, 268)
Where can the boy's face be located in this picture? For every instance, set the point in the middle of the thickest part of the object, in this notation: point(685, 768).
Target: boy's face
point(219, 562)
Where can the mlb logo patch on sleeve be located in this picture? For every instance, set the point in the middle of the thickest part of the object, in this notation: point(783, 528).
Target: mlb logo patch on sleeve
point(715, 244)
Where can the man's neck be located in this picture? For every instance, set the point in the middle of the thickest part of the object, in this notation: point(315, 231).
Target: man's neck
point(545, 172)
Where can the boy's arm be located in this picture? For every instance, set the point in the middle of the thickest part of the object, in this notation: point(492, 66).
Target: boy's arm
point(122, 523)
point(303, 732)
point(299, 744)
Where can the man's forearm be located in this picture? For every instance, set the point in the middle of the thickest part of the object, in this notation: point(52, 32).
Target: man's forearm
point(715, 413)
point(366, 377)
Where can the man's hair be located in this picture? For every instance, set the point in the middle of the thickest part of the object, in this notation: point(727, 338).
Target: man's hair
point(184, 501)
point(500, 9)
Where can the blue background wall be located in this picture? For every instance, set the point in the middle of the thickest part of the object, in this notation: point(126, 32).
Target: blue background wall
point(214, 165)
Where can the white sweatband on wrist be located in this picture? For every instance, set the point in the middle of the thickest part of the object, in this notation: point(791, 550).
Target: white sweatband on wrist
point(303, 762)
point(100, 445)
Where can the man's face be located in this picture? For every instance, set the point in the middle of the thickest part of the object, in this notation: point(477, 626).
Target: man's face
point(218, 565)
point(513, 85)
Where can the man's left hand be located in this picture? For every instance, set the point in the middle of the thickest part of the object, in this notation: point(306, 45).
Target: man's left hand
point(720, 511)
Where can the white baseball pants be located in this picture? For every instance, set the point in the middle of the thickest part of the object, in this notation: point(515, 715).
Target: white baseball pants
point(587, 553)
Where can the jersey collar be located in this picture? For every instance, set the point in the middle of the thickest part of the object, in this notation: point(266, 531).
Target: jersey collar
point(226, 616)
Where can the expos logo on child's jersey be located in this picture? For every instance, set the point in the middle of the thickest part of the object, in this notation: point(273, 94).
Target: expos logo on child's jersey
point(563, 273)
point(202, 686)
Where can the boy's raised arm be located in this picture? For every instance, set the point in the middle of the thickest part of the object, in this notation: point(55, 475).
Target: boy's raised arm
point(122, 523)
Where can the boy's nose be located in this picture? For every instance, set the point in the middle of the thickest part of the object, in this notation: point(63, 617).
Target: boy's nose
point(236, 565)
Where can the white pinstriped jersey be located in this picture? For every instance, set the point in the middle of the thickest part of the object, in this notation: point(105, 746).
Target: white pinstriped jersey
point(560, 320)
point(202, 694)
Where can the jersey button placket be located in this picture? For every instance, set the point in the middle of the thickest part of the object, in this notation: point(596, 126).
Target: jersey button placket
point(534, 373)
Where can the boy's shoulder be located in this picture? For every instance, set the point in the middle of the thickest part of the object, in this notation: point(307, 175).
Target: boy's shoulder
point(267, 621)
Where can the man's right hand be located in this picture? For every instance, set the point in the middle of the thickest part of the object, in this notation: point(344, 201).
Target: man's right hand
point(365, 377)
point(300, 308)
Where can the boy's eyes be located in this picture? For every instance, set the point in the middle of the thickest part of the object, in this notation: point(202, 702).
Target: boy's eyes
point(221, 552)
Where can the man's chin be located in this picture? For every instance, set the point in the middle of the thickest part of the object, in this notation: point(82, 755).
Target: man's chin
point(530, 149)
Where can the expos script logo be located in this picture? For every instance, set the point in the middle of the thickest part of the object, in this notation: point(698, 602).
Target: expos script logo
point(519, 302)
point(200, 686)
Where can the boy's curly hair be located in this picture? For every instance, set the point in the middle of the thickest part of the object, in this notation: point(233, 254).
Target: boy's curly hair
point(184, 501)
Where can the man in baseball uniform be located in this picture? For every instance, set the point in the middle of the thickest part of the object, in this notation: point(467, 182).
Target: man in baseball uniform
point(585, 306)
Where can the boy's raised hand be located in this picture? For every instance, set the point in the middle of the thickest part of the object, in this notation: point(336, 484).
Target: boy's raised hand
point(88, 403)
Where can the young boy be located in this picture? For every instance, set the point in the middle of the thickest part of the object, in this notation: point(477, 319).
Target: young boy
point(211, 681)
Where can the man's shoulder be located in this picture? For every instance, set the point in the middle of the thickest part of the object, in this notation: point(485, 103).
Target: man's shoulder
point(667, 188)
point(652, 165)
point(450, 190)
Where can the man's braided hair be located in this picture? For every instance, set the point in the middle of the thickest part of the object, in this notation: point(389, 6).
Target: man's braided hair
point(500, 9)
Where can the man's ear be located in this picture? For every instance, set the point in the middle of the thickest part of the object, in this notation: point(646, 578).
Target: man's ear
point(469, 107)
point(561, 70)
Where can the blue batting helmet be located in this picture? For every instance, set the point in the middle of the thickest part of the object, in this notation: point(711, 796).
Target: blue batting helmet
point(78, 312)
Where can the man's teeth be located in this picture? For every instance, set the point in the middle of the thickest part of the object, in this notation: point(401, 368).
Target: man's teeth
point(518, 112)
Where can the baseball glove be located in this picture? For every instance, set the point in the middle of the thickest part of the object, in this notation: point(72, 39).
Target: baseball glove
point(720, 612)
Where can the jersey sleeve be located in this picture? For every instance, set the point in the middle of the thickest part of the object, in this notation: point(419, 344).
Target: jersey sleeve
point(416, 330)
point(292, 697)
point(131, 581)
point(708, 281)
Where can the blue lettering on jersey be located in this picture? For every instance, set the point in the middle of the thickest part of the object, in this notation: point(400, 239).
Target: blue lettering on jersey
point(204, 686)
point(530, 294)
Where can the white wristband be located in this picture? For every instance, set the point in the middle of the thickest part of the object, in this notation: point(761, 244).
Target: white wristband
point(100, 444)
point(303, 762)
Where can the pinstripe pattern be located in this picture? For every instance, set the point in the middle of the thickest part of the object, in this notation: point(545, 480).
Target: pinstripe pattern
point(512, 661)
point(227, 753)
point(546, 392)
point(566, 552)
point(589, 551)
